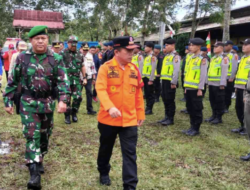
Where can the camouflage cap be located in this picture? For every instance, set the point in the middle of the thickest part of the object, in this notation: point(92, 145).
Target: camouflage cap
point(38, 30)
point(73, 40)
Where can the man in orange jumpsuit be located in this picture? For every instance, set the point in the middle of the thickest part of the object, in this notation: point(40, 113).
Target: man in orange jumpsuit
point(118, 87)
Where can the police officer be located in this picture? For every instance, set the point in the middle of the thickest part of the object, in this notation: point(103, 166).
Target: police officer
point(109, 54)
point(169, 76)
point(246, 115)
point(74, 63)
point(182, 72)
point(240, 85)
point(148, 75)
point(38, 70)
point(56, 47)
point(204, 52)
point(119, 79)
point(232, 69)
point(187, 59)
point(217, 81)
point(137, 58)
point(195, 78)
point(157, 82)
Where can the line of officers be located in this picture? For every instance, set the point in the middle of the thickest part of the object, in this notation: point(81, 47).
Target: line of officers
point(222, 74)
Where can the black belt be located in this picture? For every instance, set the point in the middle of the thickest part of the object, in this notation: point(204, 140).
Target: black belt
point(36, 95)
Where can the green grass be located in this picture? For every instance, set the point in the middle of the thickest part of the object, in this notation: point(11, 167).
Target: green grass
point(167, 159)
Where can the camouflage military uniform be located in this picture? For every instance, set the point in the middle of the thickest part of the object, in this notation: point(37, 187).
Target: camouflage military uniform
point(36, 108)
point(73, 62)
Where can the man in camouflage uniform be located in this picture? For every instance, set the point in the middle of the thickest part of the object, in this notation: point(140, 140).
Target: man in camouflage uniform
point(38, 71)
point(74, 63)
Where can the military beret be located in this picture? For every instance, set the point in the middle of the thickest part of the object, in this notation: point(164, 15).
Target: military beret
point(196, 41)
point(56, 44)
point(219, 44)
point(125, 42)
point(98, 46)
point(203, 48)
point(236, 48)
point(85, 46)
point(150, 44)
point(245, 42)
point(38, 30)
point(186, 47)
point(169, 41)
point(229, 42)
point(157, 47)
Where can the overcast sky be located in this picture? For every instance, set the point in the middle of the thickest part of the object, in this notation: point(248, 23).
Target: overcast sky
point(240, 3)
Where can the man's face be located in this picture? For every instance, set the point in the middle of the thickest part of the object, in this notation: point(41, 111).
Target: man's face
point(97, 50)
point(218, 49)
point(124, 56)
point(157, 51)
point(204, 52)
point(228, 48)
point(57, 49)
point(39, 43)
point(61, 47)
point(169, 47)
point(71, 48)
point(148, 49)
point(246, 48)
point(84, 52)
point(136, 50)
point(164, 50)
point(194, 48)
point(92, 50)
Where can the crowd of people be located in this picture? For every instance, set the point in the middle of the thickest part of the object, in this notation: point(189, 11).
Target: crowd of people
point(116, 73)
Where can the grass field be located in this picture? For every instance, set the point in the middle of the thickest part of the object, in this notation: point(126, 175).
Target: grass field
point(167, 159)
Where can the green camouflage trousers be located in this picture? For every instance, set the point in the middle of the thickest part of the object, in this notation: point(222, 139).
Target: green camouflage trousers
point(76, 95)
point(37, 129)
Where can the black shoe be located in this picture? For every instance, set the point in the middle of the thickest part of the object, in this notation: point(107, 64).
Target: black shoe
point(245, 158)
point(168, 122)
point(183, 99)
point(148, 112)
point(157, 100)
point(162, 120)
point(128, 188)
point(184, 111)
point(210, 119)
point(67, 119)
point(243, 132)
point(238, 130)
point(91, 112)
point(41, 168)
point(74, 117)
point(192, 132)
point(186, 130)
point(216, 121)
point(35, 177)
point(105, 180)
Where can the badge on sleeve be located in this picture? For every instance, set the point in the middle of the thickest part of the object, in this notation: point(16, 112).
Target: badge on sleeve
point(236, 57)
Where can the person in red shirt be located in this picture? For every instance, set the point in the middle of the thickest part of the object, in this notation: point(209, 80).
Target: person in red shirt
point(122, 110)
point(7, 59)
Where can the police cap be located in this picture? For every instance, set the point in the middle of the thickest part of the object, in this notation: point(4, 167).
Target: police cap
point(150, 44)
point(245, 42)
point(203, 48)
point(169, 41)
point(124, 42)
point(219, 44)
point(229, 42)
point(196, 41)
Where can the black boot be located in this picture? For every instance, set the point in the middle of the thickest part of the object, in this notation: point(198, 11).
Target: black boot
point(35, 177)
point(74, 116)
point(217, 120)
point(245, 158)
point(128, 188)
point(243, 132)
point(192, 132)
point(148, 111)
point(67, 118)
point(184, 111)
point(41, 168)
point(169, 121)
point(163, 120)
point(91, 112)
point(210, 118)
point(238, 130)
point(105, 180)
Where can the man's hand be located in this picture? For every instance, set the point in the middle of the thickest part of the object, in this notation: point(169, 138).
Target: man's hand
point(140, 122)
point(84, 82)
point(222, 87)
point(114, 112)
point(173, 86)
point(150, 82)
point(9, 110)
point(231, 80)
point(93, 82)
point(62, 107)
point(199, 93)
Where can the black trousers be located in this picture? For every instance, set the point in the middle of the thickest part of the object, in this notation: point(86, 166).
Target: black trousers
point(228, 93)
point(94, 92)
point(194, 106)
point(217, 100)
point(89, 95)
point(239, 105)
point(168, 97)
point(7, 75)
point(128, 139)
point(157, 86)
point(204, 91)
point(149, 94)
